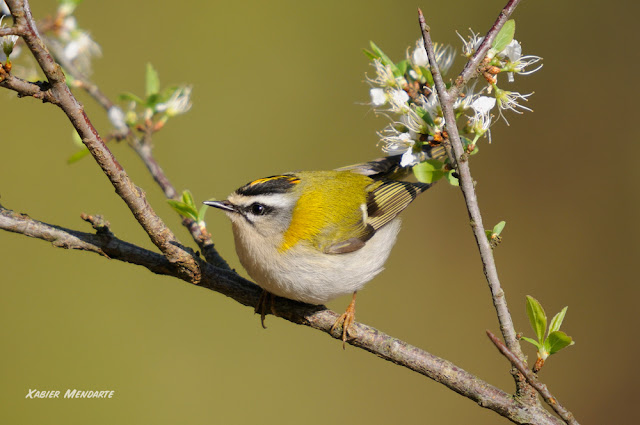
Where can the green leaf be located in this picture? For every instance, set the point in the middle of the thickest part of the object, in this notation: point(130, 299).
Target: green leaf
point(451, 178)
point(202, 212)
point(370, 55)
point(424, 114)
point(167, 93)
point(78, 156)
point(556, 322)
point(152, 85)
point(402, 66)
point(183, 209)
point(381, 55)
point(152, 101)
point(537, 317)
point(532, 341)
point(504, 37)
point(497, 229)
point(187, 198)
point(556, 341)
point(427, 75)
point(428, 171)
point(130, 97)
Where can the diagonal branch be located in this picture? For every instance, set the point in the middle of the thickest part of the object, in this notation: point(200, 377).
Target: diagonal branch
point(468, 191)
point(532, 379)
point(471, 68)
point(318, 317)
point(133, 196)
point(142, 146)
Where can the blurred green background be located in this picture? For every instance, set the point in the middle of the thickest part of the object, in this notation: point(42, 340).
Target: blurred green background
point(278, 86)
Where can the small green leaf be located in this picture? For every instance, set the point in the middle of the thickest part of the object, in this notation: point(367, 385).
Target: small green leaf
point(187, 198)
point(370, 55)
point(131, 98)
point(381, 55)
point(78, 156)
point(427, 75)
point(558, 340)
point(152, 101)
point(183, 209)
point(402, 66)
point(424, 114)
point(504, 37)
point(202, 212)
point(556, 322)
point(152, 85)
point(453, 181)
point(537, 317)
point(532, 341)
point(167, 93)
point(497, 229)
point(428, 171)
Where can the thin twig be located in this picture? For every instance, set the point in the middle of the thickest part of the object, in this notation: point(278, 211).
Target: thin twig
point(471, 68)
point(133, 196)
point(82, 80)
point(318, 317)
point(142, 146)
point(39, 90)
point(9, 31)
point(533, 380)
point(200, 235)
point(468, 190)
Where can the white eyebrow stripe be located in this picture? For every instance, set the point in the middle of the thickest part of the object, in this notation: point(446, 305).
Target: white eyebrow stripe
point(275, 200)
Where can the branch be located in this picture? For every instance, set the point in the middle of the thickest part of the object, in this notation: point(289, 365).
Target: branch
point(200, 235)
point(103, 244)
point(318, 317)
point(532, 379)
point(143, 147)
point(471, 68)
point(133, 196)
point(39, 90)
point(468, 190)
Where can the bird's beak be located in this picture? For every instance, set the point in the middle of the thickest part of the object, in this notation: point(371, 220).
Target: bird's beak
point(223, 205)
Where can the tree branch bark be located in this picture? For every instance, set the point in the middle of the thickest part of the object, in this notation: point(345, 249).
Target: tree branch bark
point(134, 197)
point(317, 317)
point(532, 379)
point(447, 99)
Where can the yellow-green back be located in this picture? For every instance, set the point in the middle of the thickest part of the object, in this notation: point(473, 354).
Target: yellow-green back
point(331, 208)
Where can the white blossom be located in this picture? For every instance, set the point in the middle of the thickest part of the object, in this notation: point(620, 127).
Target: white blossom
point(481, 120)
point(117, 118)
point(384, 76)
point(398, 101)
point(395, 142)
point(445, 55)
point(178, 103)
point(419, 56)
point(471, 44)
point(378, 96)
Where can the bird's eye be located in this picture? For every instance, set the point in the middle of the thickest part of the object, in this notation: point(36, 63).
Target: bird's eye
point(258, 209)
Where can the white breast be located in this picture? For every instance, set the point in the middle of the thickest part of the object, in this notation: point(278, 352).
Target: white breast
point(305, 274)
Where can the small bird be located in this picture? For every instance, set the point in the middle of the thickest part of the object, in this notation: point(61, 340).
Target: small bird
point(313, 236)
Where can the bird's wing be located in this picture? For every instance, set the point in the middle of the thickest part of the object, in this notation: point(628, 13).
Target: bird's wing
point(385, 201)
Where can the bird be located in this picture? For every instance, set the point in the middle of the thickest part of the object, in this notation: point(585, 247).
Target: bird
point(313, 236)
